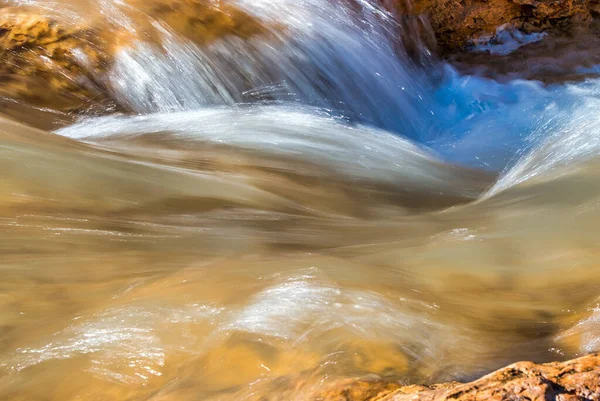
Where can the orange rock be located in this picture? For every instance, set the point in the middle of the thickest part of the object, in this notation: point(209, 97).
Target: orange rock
point(46, 64)
point(578, 379)
point(51, 62)
point(456, 23)
point(201, 21)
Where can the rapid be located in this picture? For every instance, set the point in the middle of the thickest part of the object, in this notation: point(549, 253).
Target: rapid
point(327, 199)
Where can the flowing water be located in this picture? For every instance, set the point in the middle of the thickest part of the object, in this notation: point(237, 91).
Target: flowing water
point(302, 206)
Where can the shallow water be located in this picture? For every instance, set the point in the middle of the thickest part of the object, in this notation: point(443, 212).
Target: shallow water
point(395, 218)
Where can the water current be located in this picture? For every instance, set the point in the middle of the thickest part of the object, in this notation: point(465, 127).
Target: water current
point(314, 203)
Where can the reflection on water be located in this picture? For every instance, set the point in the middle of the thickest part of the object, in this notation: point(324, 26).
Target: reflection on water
point(233, 251)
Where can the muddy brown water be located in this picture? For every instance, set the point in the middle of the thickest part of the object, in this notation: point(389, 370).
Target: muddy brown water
point(157, 267)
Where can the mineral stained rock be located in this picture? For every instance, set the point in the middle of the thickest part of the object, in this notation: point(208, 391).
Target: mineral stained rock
point(575, 380)
point(45, 63)
point(458, 23)
point(201, 21)
point(53, 62)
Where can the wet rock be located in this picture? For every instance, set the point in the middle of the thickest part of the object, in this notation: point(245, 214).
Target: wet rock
point(52, 62)
point(45, 63)
point(558, 58)
point(201, 21)
point(458, 23)
point(578, 379)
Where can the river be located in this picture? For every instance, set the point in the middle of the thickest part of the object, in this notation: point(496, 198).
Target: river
point(312, 202)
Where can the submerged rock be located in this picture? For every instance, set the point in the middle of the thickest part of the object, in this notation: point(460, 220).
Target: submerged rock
point(201, 21)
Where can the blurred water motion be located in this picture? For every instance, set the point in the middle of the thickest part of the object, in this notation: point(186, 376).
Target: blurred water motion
point(402, 220)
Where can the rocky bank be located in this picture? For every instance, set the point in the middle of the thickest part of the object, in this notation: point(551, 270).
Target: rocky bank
point(575, 380)
point(458, 23)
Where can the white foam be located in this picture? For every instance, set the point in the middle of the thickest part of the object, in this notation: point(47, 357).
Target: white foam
point(588, 330)
point(116, 336)
point(507, 40)
point(302, 305)
point(305, 134)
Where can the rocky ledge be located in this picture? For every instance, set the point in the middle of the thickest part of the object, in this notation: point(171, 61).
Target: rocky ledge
point(575, 380)
point(457, 23)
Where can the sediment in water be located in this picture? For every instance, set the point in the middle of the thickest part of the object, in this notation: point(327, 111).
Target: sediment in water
point(574, 380)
